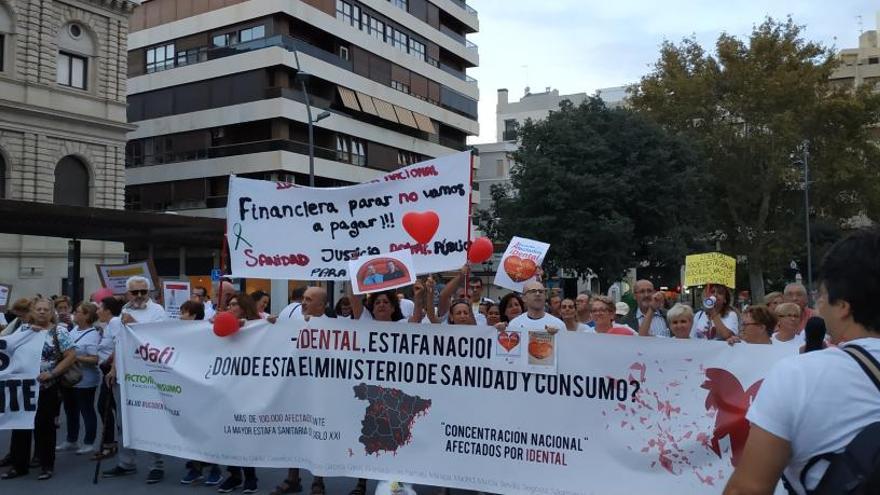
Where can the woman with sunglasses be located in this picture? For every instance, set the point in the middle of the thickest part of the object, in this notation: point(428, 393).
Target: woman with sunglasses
point(788, 316)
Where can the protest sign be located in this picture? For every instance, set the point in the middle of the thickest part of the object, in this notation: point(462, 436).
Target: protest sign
point(397, 401)
point(5, 293)
point(19, 389)
point(114, 276)
point(520, 263)
point(174, 293)
point(383, 272)
point(282, 231)
point(709, 268)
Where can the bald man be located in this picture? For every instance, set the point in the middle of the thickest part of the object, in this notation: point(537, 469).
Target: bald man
point(648, 319)
point(535, 317)
point(795, 292)
point(313, 303)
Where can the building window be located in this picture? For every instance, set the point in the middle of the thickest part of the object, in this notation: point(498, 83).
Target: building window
point(351, 150)
point(873, 60)
point(377, 29)
point(72, 70)
point(2, 177)
point(401, 4)
point(71, 182)
point(160, 58)
point(404, 88)
point(499, 168)
point(407, 158)
point(227, 39)
point(344, 53)
point(417, 49)
point(253, 33)
point(192, 56)
point(348, 13)
point(401, 41)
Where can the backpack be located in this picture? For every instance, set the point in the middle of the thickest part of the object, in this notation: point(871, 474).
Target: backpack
point(856, 470)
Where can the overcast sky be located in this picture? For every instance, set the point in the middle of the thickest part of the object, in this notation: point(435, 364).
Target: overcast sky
point(582, 45)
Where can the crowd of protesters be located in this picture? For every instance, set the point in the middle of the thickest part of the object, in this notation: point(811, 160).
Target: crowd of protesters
point(83, 335)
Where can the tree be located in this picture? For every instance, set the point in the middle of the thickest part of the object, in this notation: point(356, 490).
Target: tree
point(608, 189)
point(748, 110)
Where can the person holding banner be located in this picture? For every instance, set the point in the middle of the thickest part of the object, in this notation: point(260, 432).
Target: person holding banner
point(111, 326)
point(648, 318)
point(680, 320)
point(757, 327)
point(79, 401)
point(788, 316)
point(140, 308)
point(568, 308)
point(603, 314)
point(493, 315)
point(58, 355)
point(582, 303)
point(536, 317)
point(817, 403)
point(721, 321)
point(510, 306)
point(452, 288)
point(796, 293)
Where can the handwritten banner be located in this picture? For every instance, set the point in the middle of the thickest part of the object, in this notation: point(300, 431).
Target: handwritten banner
point(709, 268)
point(19, 389)
point(391, 401)
point(282, 231)
point(520, 263)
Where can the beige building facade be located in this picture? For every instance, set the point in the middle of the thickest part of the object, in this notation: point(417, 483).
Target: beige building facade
point(63, 127)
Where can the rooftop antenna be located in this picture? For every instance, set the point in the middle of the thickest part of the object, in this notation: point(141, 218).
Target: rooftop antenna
point(526, 68)
point(861, 25)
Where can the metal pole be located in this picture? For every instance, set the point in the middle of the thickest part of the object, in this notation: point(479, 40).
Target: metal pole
point(311, 134)
point(807, 221)
point(73, 262)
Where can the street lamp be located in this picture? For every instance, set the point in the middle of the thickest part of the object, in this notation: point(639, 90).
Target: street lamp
point(805, 148)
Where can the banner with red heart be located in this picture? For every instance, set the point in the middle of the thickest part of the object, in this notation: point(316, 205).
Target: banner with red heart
point(421, 226)
point(520, 263)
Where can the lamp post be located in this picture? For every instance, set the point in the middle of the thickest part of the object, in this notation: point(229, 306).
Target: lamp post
point(806, 151)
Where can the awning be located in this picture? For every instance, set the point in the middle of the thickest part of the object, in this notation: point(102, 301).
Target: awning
point(385, 110)
point(425, 123)
point(367, 104)
point(348, 98)
point(405, 117)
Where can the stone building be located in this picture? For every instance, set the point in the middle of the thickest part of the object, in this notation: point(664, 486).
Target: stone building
point(63, 69)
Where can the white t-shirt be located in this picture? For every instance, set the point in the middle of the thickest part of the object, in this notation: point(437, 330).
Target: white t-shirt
point(87, 342)
point(819, 402)
point(111, 332)
point(293, 311)
point(407, 307)
point(703, 328)
point(150, 313)
point(367, 316)
point(525, 322)
point(796, 343)
point(209, 310)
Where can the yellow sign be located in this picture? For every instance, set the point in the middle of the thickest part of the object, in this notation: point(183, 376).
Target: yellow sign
point(709, 268)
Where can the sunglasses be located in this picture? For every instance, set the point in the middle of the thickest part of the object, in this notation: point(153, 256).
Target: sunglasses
point(139, 292)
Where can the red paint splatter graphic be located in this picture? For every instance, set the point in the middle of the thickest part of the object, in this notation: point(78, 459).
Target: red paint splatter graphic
point(726, 395)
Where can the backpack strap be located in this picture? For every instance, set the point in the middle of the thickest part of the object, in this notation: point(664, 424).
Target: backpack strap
point(828, 456)
point(866, 361)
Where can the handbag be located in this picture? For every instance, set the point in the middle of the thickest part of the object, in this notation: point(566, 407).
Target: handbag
point(72, 375)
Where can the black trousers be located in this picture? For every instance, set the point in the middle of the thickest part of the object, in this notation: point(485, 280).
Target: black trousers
point(43, 433)
point(235, 472)
point(107, 410)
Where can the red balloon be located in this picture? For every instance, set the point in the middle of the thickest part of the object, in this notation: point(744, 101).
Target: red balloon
point(421, 226)
point(225, 324)
point(480, 250)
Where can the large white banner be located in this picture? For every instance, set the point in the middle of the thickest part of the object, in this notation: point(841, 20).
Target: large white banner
point(279, 230)
point(19, 389)
point(435, 405)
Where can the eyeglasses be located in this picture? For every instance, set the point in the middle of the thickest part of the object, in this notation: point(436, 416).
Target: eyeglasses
point(535, 291)
point(138, 292)
point(194, 294)
point(753, 324)
point(788, 316)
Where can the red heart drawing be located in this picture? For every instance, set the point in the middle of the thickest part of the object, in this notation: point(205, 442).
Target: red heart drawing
point(508, 340)
point(421, 226)
point(518, 269)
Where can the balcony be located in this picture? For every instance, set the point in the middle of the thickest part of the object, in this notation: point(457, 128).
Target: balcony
point(297, 147)
point(465, 6)
point(457, 73)
point(459, 38)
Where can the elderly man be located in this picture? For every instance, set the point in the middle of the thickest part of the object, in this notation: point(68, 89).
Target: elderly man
point(200, 295)
point(535, 317)
point(582, 305)
point(392, 273)
point(294, 310)
point(648, 318)
point(796, 293)
point(138, 309)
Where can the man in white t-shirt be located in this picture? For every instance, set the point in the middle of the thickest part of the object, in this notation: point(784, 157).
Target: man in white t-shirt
point(140, 309)
point(535, 317)
point(200, 295)
point(796, 293)
point(816, 403)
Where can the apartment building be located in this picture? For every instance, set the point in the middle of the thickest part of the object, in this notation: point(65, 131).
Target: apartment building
point(220, 87)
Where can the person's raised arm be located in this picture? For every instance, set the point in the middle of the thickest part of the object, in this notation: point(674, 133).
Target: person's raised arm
point(357, 306)
point(430, 312)
point(418, 302)
point(449, 290)
point(720, 327)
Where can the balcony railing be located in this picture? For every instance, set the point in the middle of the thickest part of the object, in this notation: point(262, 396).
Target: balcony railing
point(457, 73)
point(243, 149)
point(459, 38)
point(465, 6)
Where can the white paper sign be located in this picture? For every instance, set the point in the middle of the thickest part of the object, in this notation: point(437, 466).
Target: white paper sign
point(383, 272)
point(430, 404)
point(19, 388)
point(520, 263)
point(283, 231)
point(114, 276)
point(174, 293)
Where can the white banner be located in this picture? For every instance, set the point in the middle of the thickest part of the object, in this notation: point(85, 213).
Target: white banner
point(520, 263)
point(19, 389)
point(278, 230)
point(435, 405)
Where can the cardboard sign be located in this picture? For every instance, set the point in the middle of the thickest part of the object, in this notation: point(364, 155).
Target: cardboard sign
point(114, 276)
point(710, 268)
point(174, 293)
point(520, 263)
point(382, 272)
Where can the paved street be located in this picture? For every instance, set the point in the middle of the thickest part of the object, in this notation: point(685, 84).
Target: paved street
point(73, 476)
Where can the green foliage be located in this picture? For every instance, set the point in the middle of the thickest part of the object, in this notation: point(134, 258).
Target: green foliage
point(747, 110)
point(608, 189)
